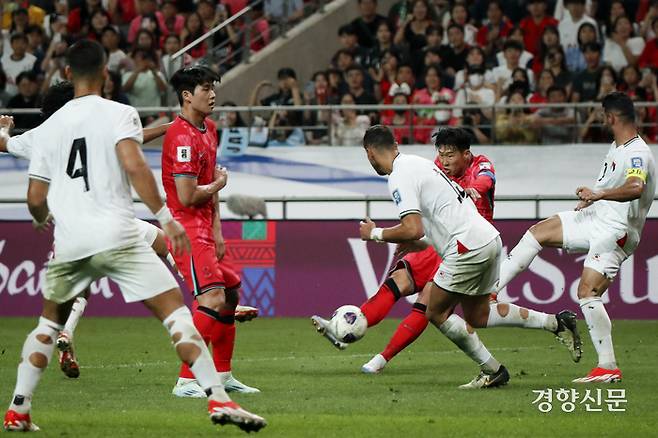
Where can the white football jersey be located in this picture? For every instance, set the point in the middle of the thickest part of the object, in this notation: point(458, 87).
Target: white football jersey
point(89, 194)
point(449, 216)
point(20, 146)
point(632, 159)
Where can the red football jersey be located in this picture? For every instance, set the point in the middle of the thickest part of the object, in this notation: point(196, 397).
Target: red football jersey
point(481, 176)
point(188, 151)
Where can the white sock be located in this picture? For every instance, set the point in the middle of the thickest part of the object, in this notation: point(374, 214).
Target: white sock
point(40, 342)
point(454, 328)
point(77, 310)
point(182, 331)
point(518, 259)
point(535, 320)
point(600, 330)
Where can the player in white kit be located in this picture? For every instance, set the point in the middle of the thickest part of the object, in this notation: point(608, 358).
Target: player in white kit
point(81, 173)
point(20, 146)
point(607, 225)
point(435, 210)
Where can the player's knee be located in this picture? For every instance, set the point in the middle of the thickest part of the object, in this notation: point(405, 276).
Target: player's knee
point(38, 360)
point(587, 290)
point(402, 281)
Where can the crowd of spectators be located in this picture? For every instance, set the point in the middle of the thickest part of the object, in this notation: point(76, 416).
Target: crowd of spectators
point(480, 52)
point(140, 37)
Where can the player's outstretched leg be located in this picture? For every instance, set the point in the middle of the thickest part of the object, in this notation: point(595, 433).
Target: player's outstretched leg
point(193, 351)
point(68, 362)
point(592, 286)
point(37, 351)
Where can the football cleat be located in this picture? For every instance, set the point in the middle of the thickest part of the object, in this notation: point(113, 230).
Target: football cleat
point(231, 413)
point(188, 388)
point(67, 361)
point(245, 313)
point(484, 380)
point(324, 328)
point(374, 365)
point(231, 384)
point(567, 333)
point(601, 375)
point(15, 422)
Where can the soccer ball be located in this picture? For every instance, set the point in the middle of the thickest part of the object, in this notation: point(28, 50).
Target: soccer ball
point(349, 324)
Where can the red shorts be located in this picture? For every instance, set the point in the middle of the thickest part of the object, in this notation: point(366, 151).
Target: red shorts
point(421, 266)
point(202, 271)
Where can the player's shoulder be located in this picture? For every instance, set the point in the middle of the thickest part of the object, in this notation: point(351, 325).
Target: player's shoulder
point(211, 126)
point(482, 162)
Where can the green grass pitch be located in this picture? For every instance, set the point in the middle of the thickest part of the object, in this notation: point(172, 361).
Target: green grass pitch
point(309, 389)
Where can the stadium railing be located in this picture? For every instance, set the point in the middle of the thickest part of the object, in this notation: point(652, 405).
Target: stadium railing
point(505, 124)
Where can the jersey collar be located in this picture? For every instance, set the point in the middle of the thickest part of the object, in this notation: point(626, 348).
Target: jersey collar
point(203, 130)
point(630, 141)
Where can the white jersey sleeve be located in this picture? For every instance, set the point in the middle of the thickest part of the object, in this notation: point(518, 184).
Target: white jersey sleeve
point(405, 193)
point(636, 164)
point(39, 164)
point(129, 126)
point(20, 146)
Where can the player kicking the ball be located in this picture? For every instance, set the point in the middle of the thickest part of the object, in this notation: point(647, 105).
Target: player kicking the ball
point(192, 182)
point(20, 146)
point(607, 225)
point(476, 174)
point(438, 211)
point(88, 156)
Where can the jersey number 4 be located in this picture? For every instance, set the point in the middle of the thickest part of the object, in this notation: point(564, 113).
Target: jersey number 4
point(79, 148)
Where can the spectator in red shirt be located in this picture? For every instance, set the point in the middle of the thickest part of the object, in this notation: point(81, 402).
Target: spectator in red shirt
point(194, 29)
point(550, 39)
point(173, 21)
point(148, 9)
point(401, 120)
point(545, 80)
point(649, 56)
point(260, 28)
point(533, 25)
point(492, 34)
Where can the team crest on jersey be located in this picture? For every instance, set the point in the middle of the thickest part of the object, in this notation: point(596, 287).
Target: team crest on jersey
point(485, 166)
point(636, 162)
point(184, 154)
point(396, 197)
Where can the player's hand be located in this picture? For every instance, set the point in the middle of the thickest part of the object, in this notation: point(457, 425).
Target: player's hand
point(176, 234)
point(582, 205)
point(365, 228)
point(44, 226)
point(472, 193)
point(587, 194)
point(221, 176)
point(220, 248)
point(6, 122)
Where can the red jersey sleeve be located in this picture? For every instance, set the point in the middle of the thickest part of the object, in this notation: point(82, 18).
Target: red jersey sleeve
point(185, 158)
point(484, 175)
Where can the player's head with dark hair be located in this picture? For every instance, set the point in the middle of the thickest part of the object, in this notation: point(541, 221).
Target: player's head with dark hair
point(85, 60)
point(618, 109)
point(381, 148)
point(453, 146)
point(195, 88)
point(56, 97)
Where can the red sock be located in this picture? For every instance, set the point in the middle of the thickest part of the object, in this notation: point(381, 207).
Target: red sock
point(408, 331)
point(378, 306)
point(205, 324)
point(223, 341)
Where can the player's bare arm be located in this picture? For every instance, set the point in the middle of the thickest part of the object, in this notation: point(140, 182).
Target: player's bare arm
point(132, 160)
point(155, 132)
point(220, 247)
point(37, 192)
point(191, 194)
point(6, 123)
point(632, 189)
point(410, 228)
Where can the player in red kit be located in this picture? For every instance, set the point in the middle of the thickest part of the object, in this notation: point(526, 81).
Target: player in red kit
point(476, 174)
point(192, 181)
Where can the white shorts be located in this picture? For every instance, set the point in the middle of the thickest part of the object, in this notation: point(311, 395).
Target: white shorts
point(474, 272)
point(606, 247)
point(147, 231)
point(135, 268)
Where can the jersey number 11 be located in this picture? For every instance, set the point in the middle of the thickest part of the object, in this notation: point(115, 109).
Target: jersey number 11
point(79, 147)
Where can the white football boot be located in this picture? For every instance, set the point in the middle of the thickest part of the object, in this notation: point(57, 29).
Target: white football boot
point(188, 388)
point(231, 384)
point(324, 327)
point(374, 365)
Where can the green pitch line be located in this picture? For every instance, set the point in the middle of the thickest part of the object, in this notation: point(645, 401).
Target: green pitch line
point(309, 389)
